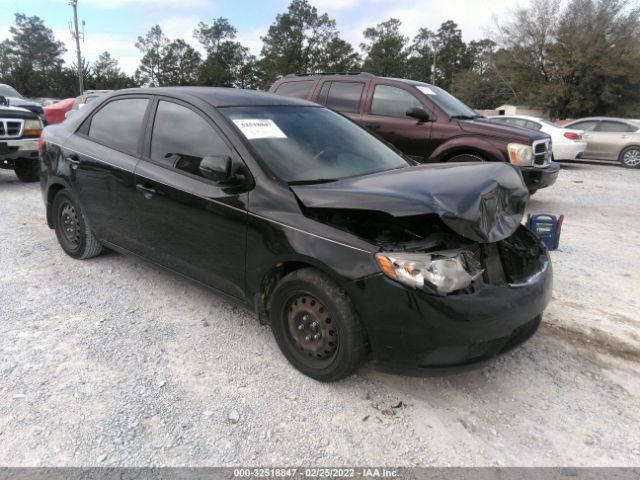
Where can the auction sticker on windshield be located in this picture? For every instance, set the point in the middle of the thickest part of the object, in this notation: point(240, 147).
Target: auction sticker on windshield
point(254, 128)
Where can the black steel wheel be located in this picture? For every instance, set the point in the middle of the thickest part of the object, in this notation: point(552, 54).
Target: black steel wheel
point(630, 157)
point(27, 170)
point(316, 326)
point(71, 228)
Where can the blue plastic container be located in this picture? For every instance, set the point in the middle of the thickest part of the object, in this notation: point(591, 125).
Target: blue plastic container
point(547, 227)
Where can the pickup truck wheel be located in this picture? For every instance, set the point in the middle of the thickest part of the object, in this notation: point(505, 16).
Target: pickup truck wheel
point(316, 326)
point(630, 157)
point(74, 235)
point(27, 170)
point(466, 157)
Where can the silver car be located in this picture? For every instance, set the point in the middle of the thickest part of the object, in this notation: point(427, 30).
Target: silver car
point(610, 138)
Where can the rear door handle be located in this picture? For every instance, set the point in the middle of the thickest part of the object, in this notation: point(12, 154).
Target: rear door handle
point(147, 191)
point(372, 126)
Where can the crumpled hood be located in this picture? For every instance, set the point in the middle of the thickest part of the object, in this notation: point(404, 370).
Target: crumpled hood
point(483, 202)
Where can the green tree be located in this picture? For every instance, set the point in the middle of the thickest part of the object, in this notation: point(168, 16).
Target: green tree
point(303, 41)
point(107, 74)
point(421, 56)
point(576, 59)
point(180, 64)
point(30, 56)
point(386, 49)
point(228, 62)
point(451, 54)
point(153, 47)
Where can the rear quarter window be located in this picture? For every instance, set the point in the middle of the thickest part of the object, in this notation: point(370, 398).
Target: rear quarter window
point(295, 89)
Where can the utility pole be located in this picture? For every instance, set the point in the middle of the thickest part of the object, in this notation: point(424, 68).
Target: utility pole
point(76, 35)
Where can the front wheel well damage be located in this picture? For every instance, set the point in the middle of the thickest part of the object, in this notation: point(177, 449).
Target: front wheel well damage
point(51, 194)
point(262, 299)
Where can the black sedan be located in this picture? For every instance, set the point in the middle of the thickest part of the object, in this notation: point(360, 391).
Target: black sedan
point(343, 245)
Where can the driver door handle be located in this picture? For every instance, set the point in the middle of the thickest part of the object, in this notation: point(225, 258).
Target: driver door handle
point(372, 126)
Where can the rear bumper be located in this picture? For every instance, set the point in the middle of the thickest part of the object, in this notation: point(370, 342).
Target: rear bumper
point(568, 151)
point(417, 333)
point(15, 150)
point(535, 178)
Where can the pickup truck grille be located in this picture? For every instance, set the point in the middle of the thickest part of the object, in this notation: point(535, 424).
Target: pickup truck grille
point(542, 153)
point(10, 128)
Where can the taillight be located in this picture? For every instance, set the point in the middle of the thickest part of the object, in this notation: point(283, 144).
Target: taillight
point(40, 145)
point(572, 136)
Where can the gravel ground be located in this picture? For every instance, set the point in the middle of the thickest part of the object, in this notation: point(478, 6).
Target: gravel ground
point(114, 362)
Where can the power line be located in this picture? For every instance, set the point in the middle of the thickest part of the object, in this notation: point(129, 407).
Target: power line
point(75, 33)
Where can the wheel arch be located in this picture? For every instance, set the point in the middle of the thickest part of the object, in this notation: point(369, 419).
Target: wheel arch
point(282, 268)
point(467, 145)
point(52, 191)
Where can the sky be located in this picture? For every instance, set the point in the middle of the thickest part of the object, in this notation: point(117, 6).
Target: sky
point(114, 25)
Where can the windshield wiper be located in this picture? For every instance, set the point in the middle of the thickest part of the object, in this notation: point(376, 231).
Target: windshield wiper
point(312, 182)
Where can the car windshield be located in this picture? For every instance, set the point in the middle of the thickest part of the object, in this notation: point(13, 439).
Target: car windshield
point(311, 144)
point(447, 102)
point(7, 91)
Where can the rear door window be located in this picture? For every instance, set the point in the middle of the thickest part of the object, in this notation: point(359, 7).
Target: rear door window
point(392, 101)
point(341, 96)
point(295, 89)
point(609, 126)
point(587, 126)
point(119, 123)
point(181, 138)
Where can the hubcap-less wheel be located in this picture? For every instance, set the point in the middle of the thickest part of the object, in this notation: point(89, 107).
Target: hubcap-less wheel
point(631, 158)
point(69, 225)
point(310, 329)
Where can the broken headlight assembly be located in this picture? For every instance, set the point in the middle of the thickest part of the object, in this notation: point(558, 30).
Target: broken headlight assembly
point(445, 272)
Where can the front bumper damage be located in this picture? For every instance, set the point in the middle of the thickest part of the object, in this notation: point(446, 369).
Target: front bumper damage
point(419, 332)
point(16, 150)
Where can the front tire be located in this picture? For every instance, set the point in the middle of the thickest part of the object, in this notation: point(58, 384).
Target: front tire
point(73, 233)
point(630, 157)
point(466, 157)
point(316, 326)
point(27, 170)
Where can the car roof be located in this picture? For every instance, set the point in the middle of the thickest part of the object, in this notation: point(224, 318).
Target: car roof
point(615, 119)
point(292, 77)
point(221, 96)
point(524, 117)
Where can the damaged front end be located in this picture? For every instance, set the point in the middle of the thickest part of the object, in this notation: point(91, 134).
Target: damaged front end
point(441, 229)
point(421, 252)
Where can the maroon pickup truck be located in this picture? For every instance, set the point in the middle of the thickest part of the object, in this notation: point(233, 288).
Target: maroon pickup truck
point(426, 123)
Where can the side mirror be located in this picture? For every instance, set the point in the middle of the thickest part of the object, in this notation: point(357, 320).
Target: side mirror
point(420, 114)
point(216, 168)
point(4, 101)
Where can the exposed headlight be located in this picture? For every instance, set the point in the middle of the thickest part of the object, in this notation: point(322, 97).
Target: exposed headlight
point(520, 154)
point(444, 271)
point(32, 128)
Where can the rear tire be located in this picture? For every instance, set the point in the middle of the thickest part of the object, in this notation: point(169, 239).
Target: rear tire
point(74, 235)
point(316, 326)
point(630, 157)
point(27, 170)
